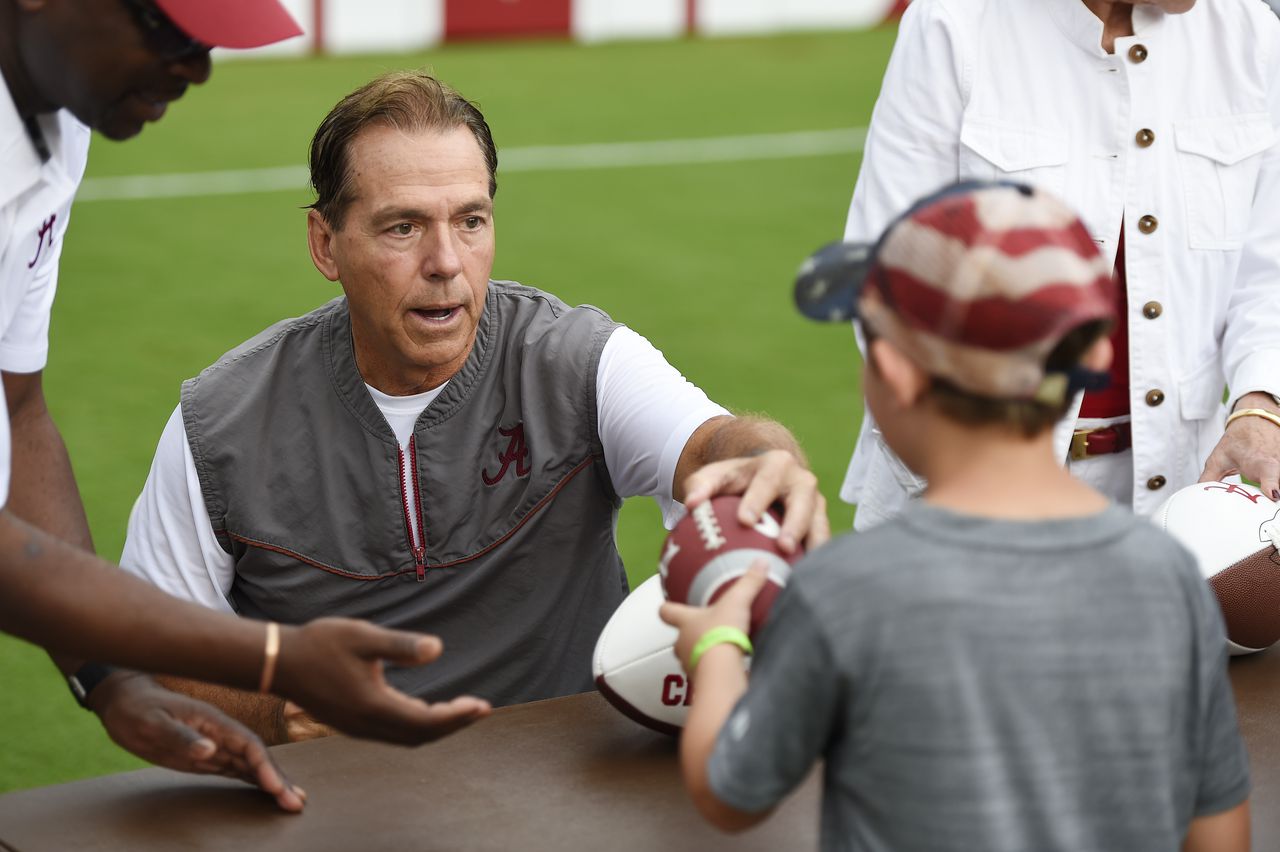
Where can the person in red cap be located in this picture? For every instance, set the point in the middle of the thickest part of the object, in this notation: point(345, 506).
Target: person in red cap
point(1013, 662)
point(113, 65)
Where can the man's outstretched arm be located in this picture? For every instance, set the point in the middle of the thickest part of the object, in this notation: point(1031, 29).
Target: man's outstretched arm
point(71, 602)
point(42, 485)
point(138, 714)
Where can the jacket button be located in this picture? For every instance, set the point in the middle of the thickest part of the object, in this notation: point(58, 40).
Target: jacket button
point(1155, 397)
point(1151, 310)
point(1148, 224)
point(1145, 137)
point(1138, 53)
point(1155, 483)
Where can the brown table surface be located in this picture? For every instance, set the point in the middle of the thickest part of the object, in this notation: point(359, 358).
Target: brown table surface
point(570, 773)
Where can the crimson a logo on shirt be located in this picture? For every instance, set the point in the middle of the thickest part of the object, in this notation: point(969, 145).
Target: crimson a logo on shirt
point(43, 236)
point(516, 453)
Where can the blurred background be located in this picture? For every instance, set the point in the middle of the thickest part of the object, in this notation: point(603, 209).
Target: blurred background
point(670, 161)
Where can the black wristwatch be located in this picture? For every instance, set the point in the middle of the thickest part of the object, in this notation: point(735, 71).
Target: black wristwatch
point(86, 679)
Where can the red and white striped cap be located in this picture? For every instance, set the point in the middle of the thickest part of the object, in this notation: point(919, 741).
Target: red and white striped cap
point(978, 284)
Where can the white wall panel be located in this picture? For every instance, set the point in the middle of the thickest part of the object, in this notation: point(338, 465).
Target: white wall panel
point(385, 26)
point(362, 26)
point(599, 20)
point(728, 17)
point(817, 14)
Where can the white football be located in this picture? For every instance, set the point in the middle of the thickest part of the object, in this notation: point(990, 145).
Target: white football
point(1233, 531)
point(635, 666)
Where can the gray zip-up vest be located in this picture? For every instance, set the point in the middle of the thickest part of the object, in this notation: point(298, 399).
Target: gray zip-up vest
point(519, 570)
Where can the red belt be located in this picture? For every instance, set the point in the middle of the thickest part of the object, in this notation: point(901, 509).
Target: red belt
point(1087, 443)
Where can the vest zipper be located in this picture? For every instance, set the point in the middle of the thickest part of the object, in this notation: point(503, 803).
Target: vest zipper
point(419, 550)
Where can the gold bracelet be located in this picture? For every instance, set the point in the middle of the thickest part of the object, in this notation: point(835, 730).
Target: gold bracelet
point(1255, 412)
point(270, 655)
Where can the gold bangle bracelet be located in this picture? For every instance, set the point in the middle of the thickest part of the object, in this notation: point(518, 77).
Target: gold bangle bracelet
point(1255, 412)
point(270, 654)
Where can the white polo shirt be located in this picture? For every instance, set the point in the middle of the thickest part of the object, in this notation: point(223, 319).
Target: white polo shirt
point(1174, 135)
point(35, 207)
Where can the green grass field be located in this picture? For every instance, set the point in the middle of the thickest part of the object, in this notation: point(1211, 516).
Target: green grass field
point(699, 258)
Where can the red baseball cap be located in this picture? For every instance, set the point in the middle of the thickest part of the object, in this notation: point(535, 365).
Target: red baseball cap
point(232, 23)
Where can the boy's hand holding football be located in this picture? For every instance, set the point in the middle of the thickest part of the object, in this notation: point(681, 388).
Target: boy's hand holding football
point(715, 664)
point(732, 610)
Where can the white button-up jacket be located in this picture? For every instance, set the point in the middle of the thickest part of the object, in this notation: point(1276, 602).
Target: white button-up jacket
point(1022, 90)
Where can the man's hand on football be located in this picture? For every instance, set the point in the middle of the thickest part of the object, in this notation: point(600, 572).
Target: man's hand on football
point(762, 480)
point(1250, 446)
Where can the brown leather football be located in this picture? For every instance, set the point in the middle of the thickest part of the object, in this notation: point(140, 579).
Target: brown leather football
point(709, 549)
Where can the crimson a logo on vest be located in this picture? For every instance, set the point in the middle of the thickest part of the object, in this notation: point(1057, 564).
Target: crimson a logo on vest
point(516, 453)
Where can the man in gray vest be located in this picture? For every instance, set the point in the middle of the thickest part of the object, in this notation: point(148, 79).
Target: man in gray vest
point(435, 449)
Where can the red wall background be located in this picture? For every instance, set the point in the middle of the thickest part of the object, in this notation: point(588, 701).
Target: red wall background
point(467, 19)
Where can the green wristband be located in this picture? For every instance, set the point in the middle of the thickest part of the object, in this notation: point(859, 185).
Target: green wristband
point(722, 635)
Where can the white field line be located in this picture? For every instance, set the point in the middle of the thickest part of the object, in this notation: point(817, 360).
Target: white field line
point(549, 158)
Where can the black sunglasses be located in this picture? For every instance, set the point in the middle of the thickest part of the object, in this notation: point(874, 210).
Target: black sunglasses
point(166, 38)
